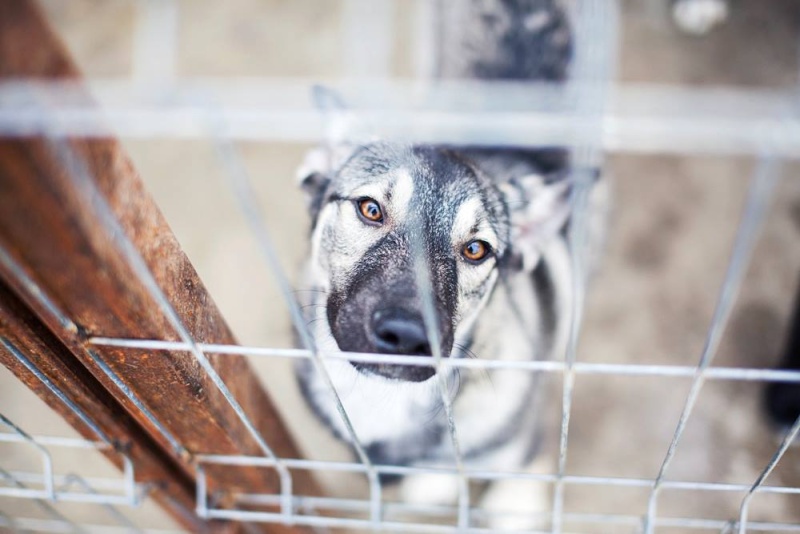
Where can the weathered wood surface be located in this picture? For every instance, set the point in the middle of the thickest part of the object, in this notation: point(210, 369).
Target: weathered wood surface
point(172, 488)
point(56, 234)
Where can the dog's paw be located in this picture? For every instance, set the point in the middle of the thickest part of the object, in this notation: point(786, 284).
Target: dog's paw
point(429, 489)
point(698, 17)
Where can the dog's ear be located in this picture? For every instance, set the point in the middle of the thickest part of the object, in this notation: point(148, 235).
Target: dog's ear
point(338, 121)
point(319, 167)
point(313, 176)
point(326, 99)
point(539, 207)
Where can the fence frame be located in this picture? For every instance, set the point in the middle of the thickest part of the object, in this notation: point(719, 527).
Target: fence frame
point(66, 274)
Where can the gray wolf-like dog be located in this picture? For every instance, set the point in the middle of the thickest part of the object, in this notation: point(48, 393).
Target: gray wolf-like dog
point(492, 224)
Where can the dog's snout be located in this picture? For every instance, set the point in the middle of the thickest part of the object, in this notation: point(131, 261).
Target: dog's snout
point(398, 331)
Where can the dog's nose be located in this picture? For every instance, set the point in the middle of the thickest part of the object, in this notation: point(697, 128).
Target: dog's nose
point(398, 331)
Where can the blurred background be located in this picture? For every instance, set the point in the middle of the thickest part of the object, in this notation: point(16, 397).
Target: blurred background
point(673, 222)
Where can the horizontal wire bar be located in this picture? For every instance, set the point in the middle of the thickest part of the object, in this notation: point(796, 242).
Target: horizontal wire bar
point(312, 465)
point(52, 525)
point(111, 510)
point(42, 503)
point(65, 496)
point(55, 441)
point(318, 521)
point(47, 460)
point(128, 468)
point(56, 526)
point(676, 371)
point(572, 517)
point(98, 483)
point(330, 504)
point(639, 118)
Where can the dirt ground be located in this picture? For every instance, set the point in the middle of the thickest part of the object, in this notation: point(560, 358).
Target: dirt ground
point(672, 227)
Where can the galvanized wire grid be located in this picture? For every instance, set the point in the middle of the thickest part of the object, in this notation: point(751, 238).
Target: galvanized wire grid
point(589, 115)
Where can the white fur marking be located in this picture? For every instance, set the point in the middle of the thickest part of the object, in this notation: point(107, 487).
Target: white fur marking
point(402, 191)
point(466, 219)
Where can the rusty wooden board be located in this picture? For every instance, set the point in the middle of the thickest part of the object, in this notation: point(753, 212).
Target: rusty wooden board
point(57, 235)
point(172, 488)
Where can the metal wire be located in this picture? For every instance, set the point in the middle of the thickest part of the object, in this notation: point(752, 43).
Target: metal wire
point(245, 195)
point(56, 486)
point(594, 34)
point(130, 482)
point(577, 237)
point(636, 119)
point(47, 463)
point(83, 182)
point(762, 185)
point(311, 465)
point(42, 299)
point(588, 368)
point(422, 275)
point(110, 509)
point(790, 437)
point(35, 291)
point(41, 503)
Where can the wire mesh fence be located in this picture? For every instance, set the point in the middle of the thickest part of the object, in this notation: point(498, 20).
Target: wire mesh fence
point(590, 115)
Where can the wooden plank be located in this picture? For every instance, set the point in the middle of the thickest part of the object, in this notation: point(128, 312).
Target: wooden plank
point(173, 487)
point(56, 233)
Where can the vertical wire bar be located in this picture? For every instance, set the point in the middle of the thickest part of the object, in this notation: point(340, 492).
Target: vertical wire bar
point(44, 505)
point(577, 234)
point(594, 34)
point(83, 182)
point(155, 41)
point(201, 499)
point(128, 474)
point(426, 13)
point(47, 460)
point(239, 180)
point(787, 442)
point(422, 275)
point(758, 197)
point(112, 510)
point(368, 33)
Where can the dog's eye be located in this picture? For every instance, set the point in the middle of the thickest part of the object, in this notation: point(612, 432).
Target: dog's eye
point(476, 250)
point(370, 210)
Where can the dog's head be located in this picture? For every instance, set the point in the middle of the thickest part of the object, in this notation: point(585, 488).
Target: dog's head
point(383, 212)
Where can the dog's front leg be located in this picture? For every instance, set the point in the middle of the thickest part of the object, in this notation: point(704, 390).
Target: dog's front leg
point(518, 504)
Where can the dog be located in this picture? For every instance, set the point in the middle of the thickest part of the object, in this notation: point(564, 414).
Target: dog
point(490, 225)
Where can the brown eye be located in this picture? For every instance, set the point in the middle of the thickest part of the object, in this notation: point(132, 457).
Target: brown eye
point(476, 250)
point(370, 210)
